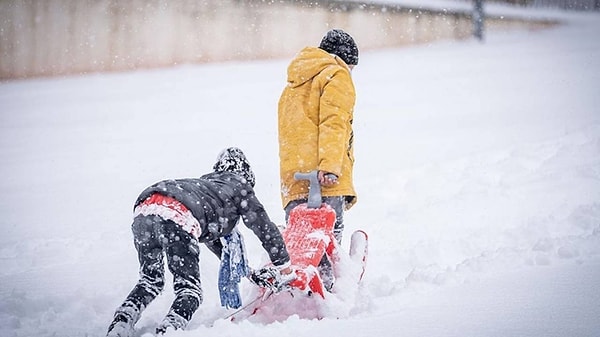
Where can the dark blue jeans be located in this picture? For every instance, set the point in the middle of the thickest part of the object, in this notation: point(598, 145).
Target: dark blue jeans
point(154, 238)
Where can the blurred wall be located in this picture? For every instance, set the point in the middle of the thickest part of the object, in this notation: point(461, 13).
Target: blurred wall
point(59, 37)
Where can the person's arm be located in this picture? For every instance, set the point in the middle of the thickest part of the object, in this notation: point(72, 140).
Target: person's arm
point(335, 114)
point(256, 219)
point(216, 247)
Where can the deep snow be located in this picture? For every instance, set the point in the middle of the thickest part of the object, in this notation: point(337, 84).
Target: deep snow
point(478, 172)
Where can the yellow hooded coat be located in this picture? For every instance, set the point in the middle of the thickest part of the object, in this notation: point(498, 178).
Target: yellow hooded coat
point(315, 124)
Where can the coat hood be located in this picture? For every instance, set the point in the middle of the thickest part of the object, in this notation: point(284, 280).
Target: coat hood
point(310, 62)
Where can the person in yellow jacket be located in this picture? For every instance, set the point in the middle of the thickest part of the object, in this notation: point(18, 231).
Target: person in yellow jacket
point(315, 115)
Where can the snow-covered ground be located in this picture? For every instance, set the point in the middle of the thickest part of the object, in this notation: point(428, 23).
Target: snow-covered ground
point(478, 172)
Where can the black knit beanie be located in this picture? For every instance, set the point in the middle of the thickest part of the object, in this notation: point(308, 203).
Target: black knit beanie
point(340, 43)
point(233, 160)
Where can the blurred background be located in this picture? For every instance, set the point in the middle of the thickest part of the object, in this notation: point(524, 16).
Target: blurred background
point(61, 37)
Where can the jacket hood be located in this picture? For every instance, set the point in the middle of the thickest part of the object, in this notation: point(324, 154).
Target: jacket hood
point(309, 63)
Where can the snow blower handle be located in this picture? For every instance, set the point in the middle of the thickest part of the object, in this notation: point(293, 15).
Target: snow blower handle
point(314, 187)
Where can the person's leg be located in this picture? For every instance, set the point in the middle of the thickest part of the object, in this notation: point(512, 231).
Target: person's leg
point(325, 266)
point(183, 254)
point(291, 205)
point(151, 282)
point(337, 203)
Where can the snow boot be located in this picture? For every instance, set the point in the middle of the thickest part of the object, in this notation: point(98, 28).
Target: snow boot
point(123, 322)
point(172, 321)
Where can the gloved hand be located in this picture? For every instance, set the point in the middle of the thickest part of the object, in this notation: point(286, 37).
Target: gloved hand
point(327, 178)
point(273, 278)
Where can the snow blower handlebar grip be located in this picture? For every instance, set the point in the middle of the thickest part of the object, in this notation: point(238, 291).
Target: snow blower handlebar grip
point(314, 188)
